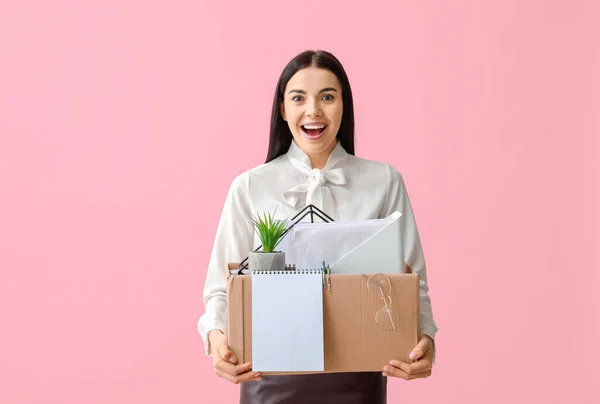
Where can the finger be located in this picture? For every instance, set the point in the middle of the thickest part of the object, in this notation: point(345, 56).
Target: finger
point(244, 375)
point(420, 349)
point(236, 379)
point(246, 367)
point(396, 372)
point(231, 369)
point(405, 367)
point(226, 353)
point(413, 368)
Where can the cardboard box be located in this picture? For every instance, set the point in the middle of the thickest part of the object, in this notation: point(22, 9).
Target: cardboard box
point(353, 341)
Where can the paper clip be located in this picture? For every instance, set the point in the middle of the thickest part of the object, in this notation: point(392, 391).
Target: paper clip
point(328, 278)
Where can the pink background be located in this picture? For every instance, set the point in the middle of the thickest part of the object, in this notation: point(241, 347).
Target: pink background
point(122, 125)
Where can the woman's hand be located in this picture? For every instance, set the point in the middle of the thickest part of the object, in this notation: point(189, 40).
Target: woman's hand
point(422, 356)
point(224, 361)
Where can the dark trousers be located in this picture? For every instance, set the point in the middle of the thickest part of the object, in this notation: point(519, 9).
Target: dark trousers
point(328, 388)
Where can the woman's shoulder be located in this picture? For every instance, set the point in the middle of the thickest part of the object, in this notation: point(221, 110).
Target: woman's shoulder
point(375, 168)
point(243, 179)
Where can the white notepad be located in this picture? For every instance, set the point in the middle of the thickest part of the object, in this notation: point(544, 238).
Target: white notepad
point(287, 321)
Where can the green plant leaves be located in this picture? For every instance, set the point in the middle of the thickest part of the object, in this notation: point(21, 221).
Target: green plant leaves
point(269, 230)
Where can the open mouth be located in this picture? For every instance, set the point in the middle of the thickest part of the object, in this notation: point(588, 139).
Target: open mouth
point(313, 131)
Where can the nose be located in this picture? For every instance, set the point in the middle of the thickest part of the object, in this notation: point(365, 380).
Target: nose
point(313, 109)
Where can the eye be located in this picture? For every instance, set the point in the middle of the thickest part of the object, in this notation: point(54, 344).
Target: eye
point(327, 97)
point(297, 98)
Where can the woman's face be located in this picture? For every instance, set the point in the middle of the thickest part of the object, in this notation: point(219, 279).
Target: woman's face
point(312, 106)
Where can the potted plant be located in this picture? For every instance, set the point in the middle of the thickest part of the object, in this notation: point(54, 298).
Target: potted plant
point(270, 231)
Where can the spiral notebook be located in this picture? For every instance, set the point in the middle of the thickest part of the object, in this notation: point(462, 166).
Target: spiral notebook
point(287, 321)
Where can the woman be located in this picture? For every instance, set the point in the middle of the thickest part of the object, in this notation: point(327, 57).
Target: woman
point(311, 161)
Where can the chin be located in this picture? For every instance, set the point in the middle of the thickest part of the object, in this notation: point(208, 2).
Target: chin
point(314, 145)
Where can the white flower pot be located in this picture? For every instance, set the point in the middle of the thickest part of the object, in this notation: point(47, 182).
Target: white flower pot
point(274, 261)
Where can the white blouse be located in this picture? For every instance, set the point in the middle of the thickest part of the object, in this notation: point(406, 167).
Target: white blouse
point(348, 188)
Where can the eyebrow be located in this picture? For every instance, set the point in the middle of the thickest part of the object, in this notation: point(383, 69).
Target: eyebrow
point(322, 91)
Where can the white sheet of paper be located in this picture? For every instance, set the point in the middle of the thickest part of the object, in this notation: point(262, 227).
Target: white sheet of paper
point(309, 244)
point(287, 322)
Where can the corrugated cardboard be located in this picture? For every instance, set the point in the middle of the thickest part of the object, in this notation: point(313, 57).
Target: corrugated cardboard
point(353, 340)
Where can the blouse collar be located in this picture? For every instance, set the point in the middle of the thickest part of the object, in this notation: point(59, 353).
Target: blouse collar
point(315, 190)
point(336, 159)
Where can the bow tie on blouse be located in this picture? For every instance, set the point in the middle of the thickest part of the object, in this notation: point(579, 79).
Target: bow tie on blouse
point(316, 191)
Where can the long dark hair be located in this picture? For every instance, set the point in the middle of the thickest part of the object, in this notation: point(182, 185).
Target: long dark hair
point(281, 138)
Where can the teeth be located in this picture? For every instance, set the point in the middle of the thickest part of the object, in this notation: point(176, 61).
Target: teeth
point(314, 126)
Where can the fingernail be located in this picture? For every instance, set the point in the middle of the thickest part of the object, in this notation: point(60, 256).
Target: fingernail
point(385, 374)
point(394, 363)
point(233, 359)
point(412, 355)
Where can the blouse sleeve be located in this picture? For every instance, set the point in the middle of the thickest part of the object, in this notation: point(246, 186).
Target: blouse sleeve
point(397, 200)
point(233, 241)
